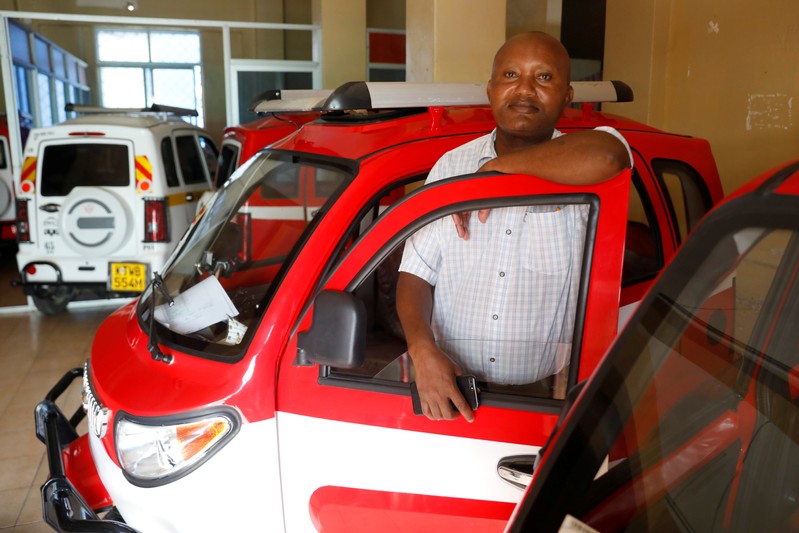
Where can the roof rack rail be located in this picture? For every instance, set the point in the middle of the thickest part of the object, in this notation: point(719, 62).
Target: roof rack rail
point(382, 95)
point(397, 95)
point(286, 100)
point(155, 108)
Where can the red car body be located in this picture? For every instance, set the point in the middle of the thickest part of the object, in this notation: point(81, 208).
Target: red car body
point(311, 409)
point(671, 433)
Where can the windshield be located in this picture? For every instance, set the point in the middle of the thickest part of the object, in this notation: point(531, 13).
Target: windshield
point(702, 432)
point(66, 166)
point(216, 285)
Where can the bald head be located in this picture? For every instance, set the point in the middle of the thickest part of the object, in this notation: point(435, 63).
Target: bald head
point(534, 40)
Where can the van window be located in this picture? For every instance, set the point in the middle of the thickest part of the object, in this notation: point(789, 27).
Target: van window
point(168, 156)
point(66, 166)
point(191, 165)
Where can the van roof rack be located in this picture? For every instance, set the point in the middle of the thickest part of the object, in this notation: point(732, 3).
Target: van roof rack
point(285, 100)
point(398, 95)
point(155, 108)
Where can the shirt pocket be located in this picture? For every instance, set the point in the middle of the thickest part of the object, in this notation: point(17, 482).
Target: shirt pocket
point(546, 234)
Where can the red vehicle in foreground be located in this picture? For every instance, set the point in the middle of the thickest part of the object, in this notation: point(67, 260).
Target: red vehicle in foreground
point(261, 381)
point(689, 424)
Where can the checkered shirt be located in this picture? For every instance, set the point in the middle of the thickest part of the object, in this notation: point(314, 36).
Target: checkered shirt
point(505, 299)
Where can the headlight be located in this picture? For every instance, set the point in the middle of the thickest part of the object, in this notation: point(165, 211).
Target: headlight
point(155, 451)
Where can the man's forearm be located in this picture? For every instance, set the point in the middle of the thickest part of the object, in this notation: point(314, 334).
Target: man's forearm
point(415, 309)
point(579, 158)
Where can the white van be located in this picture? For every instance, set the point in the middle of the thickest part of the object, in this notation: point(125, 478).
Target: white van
point(103, 199)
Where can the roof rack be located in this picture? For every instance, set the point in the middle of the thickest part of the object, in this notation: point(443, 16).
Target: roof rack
point(155, 108)
point(397, 95)
point(381, 95)
point(290, 100)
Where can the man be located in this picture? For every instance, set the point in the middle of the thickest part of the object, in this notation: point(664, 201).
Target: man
point(528, 91)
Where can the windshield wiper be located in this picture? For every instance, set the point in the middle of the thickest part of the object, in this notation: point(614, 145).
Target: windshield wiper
point(152, 343)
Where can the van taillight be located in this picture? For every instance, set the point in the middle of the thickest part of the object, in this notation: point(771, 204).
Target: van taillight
point(156, 227)
point(23, 222)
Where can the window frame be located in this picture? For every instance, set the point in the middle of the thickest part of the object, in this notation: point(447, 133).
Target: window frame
point(330, 377)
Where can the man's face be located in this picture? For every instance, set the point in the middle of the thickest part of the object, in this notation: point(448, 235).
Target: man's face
point(529, 87)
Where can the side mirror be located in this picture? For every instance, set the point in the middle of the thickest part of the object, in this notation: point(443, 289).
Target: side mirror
point(337, 336)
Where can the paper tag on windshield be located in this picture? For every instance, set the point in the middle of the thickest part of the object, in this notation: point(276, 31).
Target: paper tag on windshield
point(572, 525)
point(235, 331)
point(199, 307)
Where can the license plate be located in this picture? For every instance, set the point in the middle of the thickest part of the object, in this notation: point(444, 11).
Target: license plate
point(129, 277)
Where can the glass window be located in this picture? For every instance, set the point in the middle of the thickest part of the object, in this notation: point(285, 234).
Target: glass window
point(704, 408)
point(45, 99)
point(58, 63)
point(643, 256)
point(240, 243)
point(512, 352)
point(228, 160)
point(23, 93)
point(168, 157)
point(688, 196)
point(42, 52)
point(210, 153)
point(123, 46)
point(66, 166)
point(20, 44)
point(191, 166)
point(169, 87)
point(164, 68)
point(3, 154)
point(253, 84)
point(171, 47)
point(122, 86)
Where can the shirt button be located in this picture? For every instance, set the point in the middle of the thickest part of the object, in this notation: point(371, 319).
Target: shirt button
point(501, 274)
point(495, 317)
point(493, 360)
point(508, 232)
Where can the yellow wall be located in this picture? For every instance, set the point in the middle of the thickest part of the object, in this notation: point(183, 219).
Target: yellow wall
point(453, 40)
point(724, 70)
point(343, 24)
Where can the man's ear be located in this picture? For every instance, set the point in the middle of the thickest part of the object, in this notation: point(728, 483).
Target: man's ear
point(569, 96)
point(488, 90)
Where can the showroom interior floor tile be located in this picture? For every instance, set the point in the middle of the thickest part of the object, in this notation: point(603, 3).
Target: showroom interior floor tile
point(35, 351)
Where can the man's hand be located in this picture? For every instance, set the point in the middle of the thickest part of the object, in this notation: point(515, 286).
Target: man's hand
point(461, 221)
point(438, 391)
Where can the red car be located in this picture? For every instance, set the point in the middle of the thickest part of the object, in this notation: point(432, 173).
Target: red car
point(691, 421)
point(283, 112)
point(261, 382)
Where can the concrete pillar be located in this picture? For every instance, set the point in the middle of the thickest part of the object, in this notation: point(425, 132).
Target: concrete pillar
point(452, 40)
point(343, 47)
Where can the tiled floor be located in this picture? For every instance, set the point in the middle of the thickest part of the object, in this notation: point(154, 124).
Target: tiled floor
point(35, 351)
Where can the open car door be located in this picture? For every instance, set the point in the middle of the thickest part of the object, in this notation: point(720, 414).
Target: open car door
point(353, 456)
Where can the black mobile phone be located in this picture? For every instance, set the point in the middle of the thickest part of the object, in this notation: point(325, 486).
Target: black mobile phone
point(466, 384)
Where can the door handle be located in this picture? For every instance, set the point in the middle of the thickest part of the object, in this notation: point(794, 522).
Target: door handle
point(190, 197)
point(517, 469)
point(50, 208)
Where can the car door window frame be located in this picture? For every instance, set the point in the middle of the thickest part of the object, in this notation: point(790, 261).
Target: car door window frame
point(329, 376)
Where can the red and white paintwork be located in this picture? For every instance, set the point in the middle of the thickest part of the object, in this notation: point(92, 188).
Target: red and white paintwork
point(312, 456)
